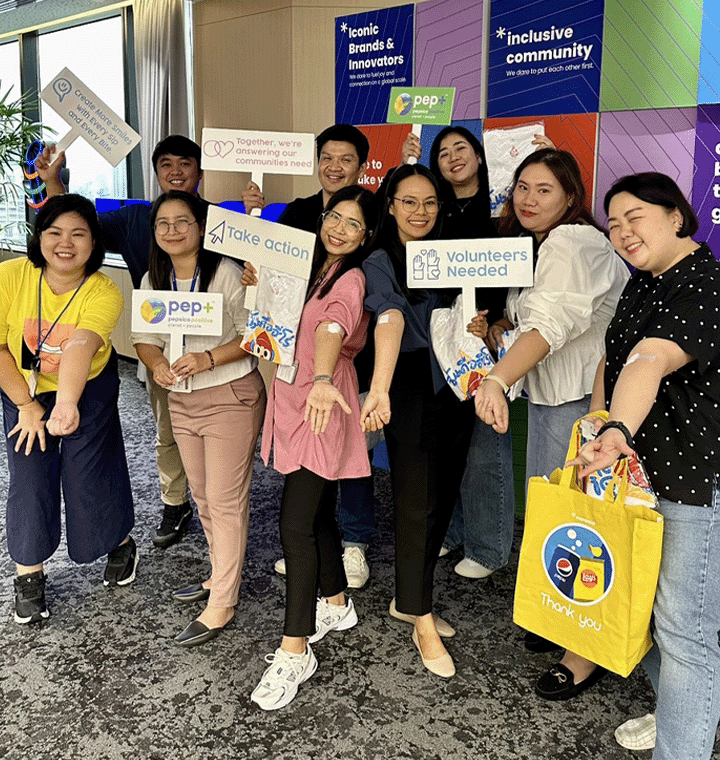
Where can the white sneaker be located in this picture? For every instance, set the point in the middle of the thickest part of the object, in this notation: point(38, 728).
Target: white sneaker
point(279, 683)
point(637, 733)
point(468, 568)
point(357, 570)
point(332, 617)
point(280, 568)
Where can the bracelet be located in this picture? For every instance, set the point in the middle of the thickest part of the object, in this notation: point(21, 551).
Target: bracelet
point(22, 406)
point(498, 380)
point(617, 425)
point(212, 360)
point(318, 378)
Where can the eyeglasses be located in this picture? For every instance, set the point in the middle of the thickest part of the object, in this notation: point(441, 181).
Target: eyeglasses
point(333, 219)
point(410, 205)
point(181, 226)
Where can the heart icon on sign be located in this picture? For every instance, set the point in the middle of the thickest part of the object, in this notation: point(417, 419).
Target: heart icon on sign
point(218, 148)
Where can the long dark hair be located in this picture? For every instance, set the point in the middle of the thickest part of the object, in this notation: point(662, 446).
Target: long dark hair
point(161, 263)
point(447, 191)
point(65, 204)
point(567, 172)
point(368, 206)
point(659, 190)
point(388, 237)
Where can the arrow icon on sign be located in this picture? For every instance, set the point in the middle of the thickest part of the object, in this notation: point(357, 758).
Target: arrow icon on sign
point(217, 233)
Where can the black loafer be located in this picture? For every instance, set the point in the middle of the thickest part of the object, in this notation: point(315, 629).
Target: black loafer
point(195, 593)
point(537, 644)
point(558, 684)
point(197, 633)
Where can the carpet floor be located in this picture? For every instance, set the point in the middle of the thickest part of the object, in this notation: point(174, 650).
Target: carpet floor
point(102, 680)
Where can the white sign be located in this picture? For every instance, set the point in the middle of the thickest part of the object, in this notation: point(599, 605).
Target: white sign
point(89, 117)
point(469, 264)
point(265, 244)
point(242, 150)
point(177, 313)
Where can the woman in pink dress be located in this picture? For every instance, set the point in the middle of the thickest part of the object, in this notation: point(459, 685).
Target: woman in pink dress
point(314, 424)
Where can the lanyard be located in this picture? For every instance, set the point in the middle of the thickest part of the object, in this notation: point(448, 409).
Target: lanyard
point(173, 281)
point(42, 340)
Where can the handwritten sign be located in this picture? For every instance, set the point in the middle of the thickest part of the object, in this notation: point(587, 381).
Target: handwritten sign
point(177, 313)
point(241, 150)
point(469, 264)
point(89, 117)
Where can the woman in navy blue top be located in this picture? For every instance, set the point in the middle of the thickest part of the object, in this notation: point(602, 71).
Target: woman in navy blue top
point(426, 428)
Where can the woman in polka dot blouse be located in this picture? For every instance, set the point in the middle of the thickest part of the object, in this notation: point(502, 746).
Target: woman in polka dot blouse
point(661, 383)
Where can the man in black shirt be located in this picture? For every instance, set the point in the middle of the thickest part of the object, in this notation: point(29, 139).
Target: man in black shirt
point(342, 152)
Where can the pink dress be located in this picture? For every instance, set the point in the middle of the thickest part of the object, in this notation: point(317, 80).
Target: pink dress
point(339, 452)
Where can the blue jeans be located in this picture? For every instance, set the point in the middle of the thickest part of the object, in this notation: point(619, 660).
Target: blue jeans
point(484, 515)
point(684, 664)
point(549, 430)
point(356, 513)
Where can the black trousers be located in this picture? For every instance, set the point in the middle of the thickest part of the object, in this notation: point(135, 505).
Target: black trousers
point(312, 547)
point(428, 438)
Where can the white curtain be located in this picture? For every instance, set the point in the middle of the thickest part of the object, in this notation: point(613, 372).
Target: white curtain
point(161, 78)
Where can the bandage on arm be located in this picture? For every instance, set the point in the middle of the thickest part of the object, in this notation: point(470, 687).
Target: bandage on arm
point(75, 364)
point(388, 336)
point(328, 342)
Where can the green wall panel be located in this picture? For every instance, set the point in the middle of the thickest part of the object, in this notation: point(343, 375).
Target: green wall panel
point(651, 54)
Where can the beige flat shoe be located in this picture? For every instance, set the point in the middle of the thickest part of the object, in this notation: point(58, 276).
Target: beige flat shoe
point(441, 666)
point(444, 629)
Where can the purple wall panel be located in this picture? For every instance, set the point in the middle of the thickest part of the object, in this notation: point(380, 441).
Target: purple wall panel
point(706, 183)
point(448, 51)
point(640, 141)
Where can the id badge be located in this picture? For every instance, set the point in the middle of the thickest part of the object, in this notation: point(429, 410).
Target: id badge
point(32, 383)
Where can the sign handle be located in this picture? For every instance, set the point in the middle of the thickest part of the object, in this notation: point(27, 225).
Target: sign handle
point(257, 178)
point(67, 141)
point(468, 303)
point(417, 131)
point(251, 292)
point(177, 349)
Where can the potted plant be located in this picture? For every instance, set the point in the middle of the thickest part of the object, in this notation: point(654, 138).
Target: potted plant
point(17, 131)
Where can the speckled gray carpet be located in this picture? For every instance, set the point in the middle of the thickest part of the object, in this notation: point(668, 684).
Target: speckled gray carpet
point(101, 679)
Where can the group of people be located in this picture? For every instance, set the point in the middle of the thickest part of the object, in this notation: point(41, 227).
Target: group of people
point(588, 335)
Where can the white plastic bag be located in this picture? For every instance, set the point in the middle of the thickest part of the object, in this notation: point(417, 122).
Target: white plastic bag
point(505, 149)
point(463, 358)
point(271, 329)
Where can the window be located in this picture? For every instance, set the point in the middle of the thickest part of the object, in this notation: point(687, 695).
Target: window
point(12, 198)
point(94, 53)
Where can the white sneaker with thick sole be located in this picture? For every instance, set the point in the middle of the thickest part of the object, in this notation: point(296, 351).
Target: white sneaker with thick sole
point(332, 617)
point(357, 570)
point(468, 568)
point(637, 733)
point(280, 568)
point(279, 683)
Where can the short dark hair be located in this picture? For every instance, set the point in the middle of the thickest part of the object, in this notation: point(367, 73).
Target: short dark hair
point(660, 190)
point(566, 171)
point(368, 206)
point(344, 133)
point(65, 204)
point(446, 189)
point(160, 262)
point(176, 145)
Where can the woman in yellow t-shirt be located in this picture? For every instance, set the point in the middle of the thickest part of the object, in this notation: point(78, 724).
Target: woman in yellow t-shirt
point(59, 386)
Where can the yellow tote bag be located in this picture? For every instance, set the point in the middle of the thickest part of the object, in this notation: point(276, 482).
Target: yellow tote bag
point(588, 569)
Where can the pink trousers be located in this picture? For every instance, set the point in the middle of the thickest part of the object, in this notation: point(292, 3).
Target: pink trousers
point(216, 430)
